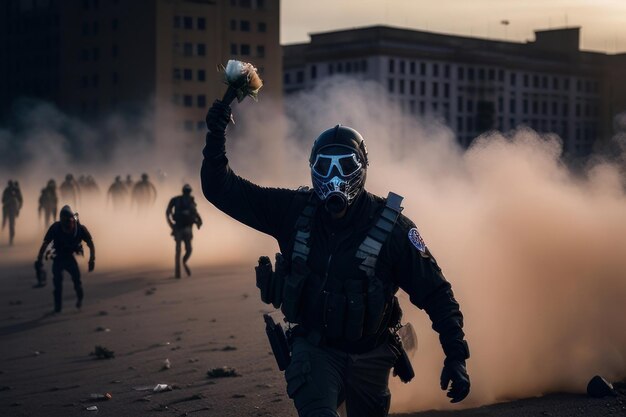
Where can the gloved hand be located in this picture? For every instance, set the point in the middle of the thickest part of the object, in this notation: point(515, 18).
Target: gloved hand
point(455, 375)
point(92, 264)
point(218, 117)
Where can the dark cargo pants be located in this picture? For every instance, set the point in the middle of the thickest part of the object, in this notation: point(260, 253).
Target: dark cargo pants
point(58, 266)
point(320, 379)
point(182, 235)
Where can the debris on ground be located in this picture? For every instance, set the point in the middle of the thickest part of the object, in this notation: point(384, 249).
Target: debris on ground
point(151, 291)
point(38, 352)
point(223, 372)
point(162, 388)
point(193, 360)
point(166, 365)
point(92, 408)
point(103, 329)
point(100, 397)
point(239, 395)
point(103, 313)
point(101, 352)
point(228, 348)
point(599, 387)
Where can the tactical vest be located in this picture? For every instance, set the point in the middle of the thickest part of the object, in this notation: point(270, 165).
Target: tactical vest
point(350, 308)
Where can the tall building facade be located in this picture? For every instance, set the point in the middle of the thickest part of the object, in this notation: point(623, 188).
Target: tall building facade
point(96, 57)
point(476, 85)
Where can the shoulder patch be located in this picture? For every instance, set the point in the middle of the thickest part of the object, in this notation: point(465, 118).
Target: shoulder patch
point(416, 240)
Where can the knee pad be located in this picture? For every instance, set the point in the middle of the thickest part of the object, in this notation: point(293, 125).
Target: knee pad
point(321, 412)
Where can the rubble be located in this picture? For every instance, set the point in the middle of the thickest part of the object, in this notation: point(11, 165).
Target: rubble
point(599, 387)
point(223, 372)
point(101, 352)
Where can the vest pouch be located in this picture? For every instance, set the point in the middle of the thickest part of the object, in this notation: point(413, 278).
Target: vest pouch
point(334, 314)
point(278, 280)
point(355, 310)
point(292, 290)
point(375, 309)
point(264, 278)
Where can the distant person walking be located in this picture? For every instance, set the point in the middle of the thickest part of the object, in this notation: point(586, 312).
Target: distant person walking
point(66, 237)
point(182, 214)
point(48, 201)
point(69, 190)
point(11, 205)
point(144, 194)
point(118, 194)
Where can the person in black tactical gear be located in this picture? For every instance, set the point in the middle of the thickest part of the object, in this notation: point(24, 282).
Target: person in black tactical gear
point(144, 194)
point(69, 190)
point(181, 215)
point(66, 236)
point(118, 194)
point(344, 254)
point(48, 201)
point(11, 205)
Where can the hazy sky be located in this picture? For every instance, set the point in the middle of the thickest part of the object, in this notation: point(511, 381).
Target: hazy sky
point(603, 21)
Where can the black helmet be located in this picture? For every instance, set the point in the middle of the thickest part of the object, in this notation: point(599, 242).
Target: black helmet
point(144, 177)
point(66, 212)
point(52, 183)
point(338, 164)
point(186, 189)
point(69, 177)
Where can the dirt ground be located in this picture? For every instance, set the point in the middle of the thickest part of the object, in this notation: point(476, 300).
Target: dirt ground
point(209, 320)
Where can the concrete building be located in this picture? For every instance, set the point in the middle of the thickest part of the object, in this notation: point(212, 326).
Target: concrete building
point(475, 84)
point(95, 57)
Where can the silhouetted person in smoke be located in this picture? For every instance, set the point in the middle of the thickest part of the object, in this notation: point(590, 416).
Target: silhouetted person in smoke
point(48, 202)
point(129, 183)
point(118, 194)
point(67, 236)
point(144, 193)
point(69, 190)
point(182, 214)
point(11, 204)
point(91, 187)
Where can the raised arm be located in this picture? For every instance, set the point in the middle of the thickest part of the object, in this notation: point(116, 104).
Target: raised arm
point(261, 208)
point(92, 249)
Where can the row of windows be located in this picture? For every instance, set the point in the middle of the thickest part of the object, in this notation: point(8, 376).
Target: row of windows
point(490, 74)
point(244, 49)
point(187, 74)
point(404, 88)
point(189, 49)
point(190, 125)
point(186, 22)
point(87, 55)
point(187, 100)
point(94, 80)
point(94, 28)
point(245, 26)
point(87, 4)
point(346, 67)
point(248, 4)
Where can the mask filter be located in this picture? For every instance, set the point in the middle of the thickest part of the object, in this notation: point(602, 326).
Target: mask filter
point(335, 203)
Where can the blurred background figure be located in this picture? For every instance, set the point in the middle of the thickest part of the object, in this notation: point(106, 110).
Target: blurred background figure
point(11, 204)
point(90, 188)
point(144, 194)
point(70, 191)
point(182, 214)
point(118, 194)
point(48, 202)
point(129, 183)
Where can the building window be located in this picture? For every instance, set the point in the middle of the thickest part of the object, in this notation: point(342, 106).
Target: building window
point(95, 80)
point(422, 68)
point(95, 28)
point(96, 54)
point(176, 74)
point(201, 23)
point(470, 74)
point(391, 85)
point(201, 49)
point(246, 4)
point(84, 55)
point(412, 67)
point(412, 87)
point(525, 80)
point(565, 109)
point(84, 81)
point(188, 22)
point(364, 65)
point(446, 71)
point(260, 4)
point(115, 78)
point(200, 125)
point(115, 24)
point(446, 90)
point(300, 77)
point(435, 70)
point(470, 105)
point(459, 104)
point(512, 105)
point(260, 51)
point(459, 123)
point(536, 81)
point(402, 66)
point(233, 24)
point(500, 75)
point(244, 26)
point(202, 101)
point(392, 65)
point(233, 49)
point(188, 100)
point(262, 27)
point(525, 106)
point(330, 69)
point(401, 86)
point(435, 89)
point(245, 49)
point(544, 82)
point(555, 83)
point(422, 88)
point(460, 73)
point(187, 74)
point(188, 49)
point(201, 75)
point(512, 79)
point(313, 71)
point(287, 78)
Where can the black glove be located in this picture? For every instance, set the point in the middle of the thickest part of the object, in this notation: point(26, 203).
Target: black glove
point(454, 372)
point(92, 264)
point(218, 118)
point(38, 264)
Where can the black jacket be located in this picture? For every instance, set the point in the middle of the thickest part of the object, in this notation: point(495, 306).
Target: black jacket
point(333, 243)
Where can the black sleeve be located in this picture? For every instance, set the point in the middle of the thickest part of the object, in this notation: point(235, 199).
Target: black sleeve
point(49, 237)
point(86, 237)
point(415, 270)
point(264, 209)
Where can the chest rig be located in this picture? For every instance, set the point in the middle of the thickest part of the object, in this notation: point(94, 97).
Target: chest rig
point(336, 308)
